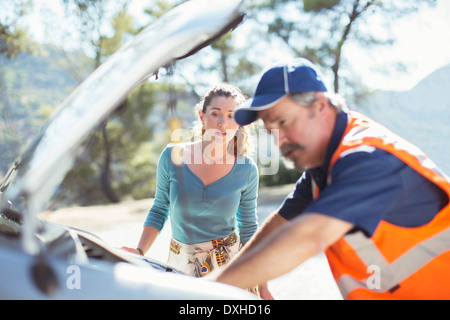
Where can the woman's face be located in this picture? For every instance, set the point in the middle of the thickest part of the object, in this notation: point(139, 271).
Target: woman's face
point(218, 120)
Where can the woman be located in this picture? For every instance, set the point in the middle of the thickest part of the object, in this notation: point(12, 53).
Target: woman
point(209, 194)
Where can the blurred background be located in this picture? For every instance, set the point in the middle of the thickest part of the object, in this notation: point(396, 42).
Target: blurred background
point(389, 59)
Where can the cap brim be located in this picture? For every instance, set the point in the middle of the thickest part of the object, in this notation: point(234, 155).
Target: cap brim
point(247, 112)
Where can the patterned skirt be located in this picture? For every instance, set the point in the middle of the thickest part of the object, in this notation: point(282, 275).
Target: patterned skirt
point(199, 259)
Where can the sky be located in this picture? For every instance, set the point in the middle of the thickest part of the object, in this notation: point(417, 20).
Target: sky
point(423, 44)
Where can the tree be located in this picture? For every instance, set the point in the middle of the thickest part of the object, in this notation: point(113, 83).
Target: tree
point(14, 38)
point(128, 133)
point(92, 18)
point(112, 165)
point(319, 30)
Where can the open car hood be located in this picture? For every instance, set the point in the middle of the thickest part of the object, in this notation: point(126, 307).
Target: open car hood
point(34, 177)
point(38, 256)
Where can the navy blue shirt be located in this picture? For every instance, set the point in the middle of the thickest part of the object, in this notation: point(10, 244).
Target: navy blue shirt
point(367, 186)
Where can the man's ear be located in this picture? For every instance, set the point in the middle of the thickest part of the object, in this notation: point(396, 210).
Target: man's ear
point(322, 102)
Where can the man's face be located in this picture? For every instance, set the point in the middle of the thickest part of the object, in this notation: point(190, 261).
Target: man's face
point(302, 133)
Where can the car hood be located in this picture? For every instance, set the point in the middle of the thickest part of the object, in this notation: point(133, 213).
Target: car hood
point(181, 32)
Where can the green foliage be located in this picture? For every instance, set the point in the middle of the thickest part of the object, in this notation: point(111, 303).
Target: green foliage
point(245, 69)
point(32, 86)
point(133, 169)
point(160, 7)
point(123, 24)
point(110, 150)
point(284, 175)
point(13, 42)
point(318, 5)
point(14, 38)
point(139, 176)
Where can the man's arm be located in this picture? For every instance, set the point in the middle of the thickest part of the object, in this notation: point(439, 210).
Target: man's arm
point(274, 252)
point(271, 224)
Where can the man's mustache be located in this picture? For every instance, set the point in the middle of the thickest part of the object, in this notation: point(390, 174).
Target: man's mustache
point(286, 149)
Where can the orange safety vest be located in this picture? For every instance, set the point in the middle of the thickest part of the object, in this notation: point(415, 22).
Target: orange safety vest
point(395, 262)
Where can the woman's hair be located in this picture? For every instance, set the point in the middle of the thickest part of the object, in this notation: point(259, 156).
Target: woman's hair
point(239, 145)
point(221, 90)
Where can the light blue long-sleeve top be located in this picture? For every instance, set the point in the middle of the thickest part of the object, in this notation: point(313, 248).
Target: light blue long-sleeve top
point(200, 213)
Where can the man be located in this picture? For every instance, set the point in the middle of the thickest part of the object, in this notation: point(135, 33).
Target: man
point(375, 204)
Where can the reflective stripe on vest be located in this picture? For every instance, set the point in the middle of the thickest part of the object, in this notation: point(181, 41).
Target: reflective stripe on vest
point(394, 273)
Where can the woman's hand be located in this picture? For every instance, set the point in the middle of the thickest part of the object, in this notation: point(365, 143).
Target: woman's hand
point(132, 250)
point(264, 292)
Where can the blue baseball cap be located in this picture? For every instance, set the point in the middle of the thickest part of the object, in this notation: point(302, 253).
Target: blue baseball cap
point(299, 75)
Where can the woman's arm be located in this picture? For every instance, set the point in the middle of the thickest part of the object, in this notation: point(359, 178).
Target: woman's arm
point(159, 211)
point(247, 218)
point(148, 236)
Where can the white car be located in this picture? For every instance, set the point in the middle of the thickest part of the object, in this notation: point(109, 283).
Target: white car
point(43, 260)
